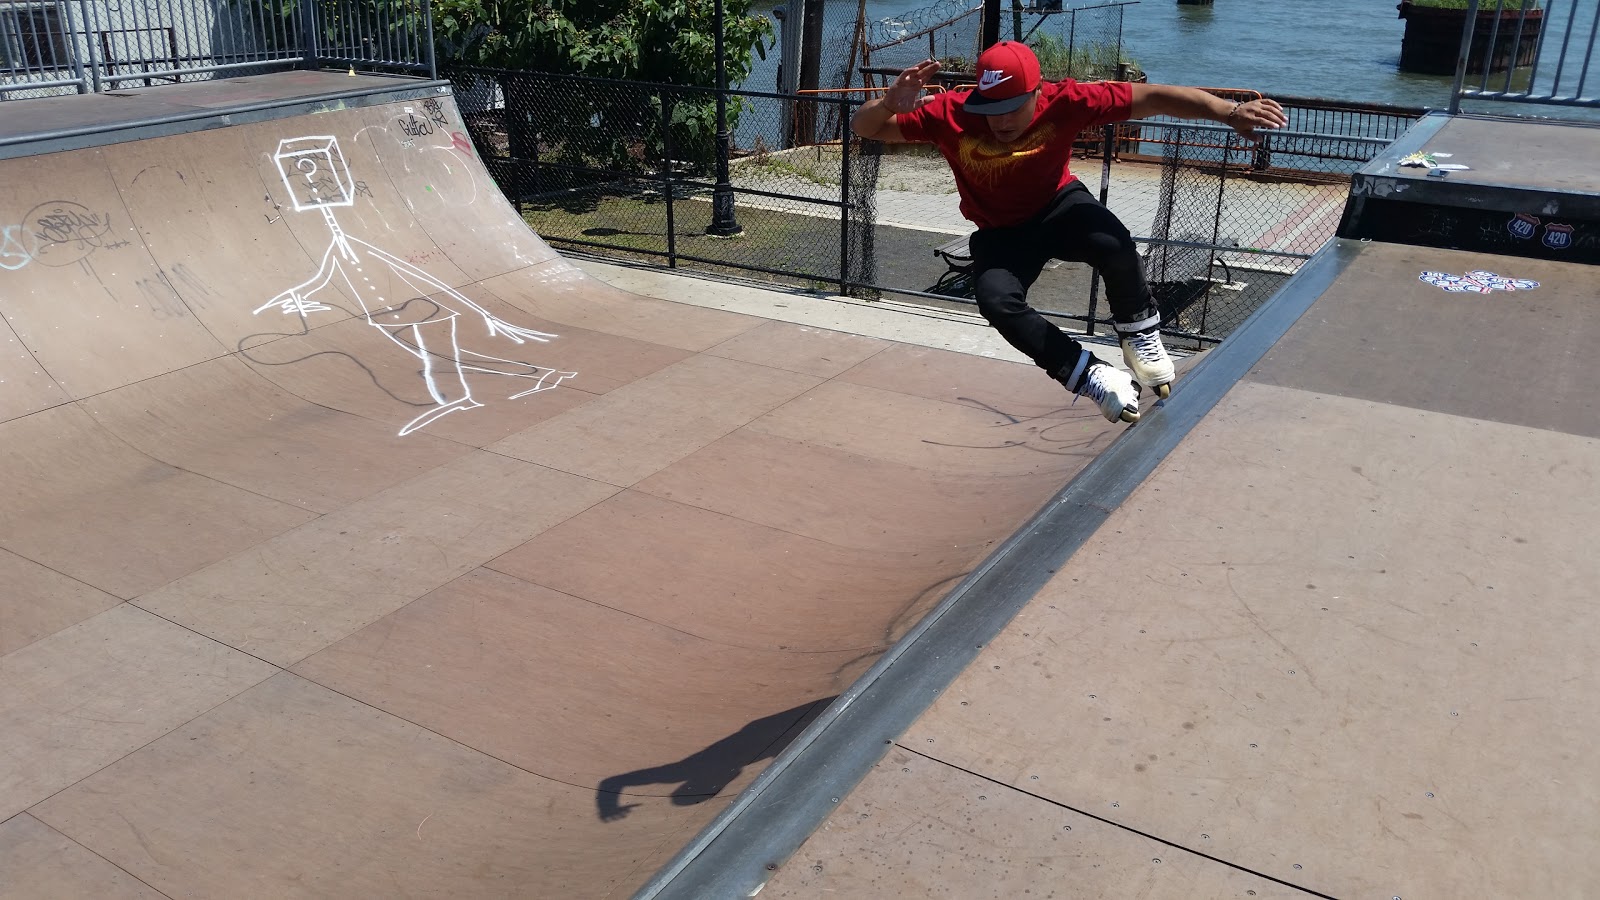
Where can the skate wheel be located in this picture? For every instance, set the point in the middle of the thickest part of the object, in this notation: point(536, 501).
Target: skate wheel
point(1163, 390)
point(1129, 416)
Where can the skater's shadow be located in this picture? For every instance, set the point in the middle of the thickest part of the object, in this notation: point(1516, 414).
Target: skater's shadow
point(702, 775)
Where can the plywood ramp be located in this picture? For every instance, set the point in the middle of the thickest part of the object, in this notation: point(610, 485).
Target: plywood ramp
point(1339, 643)
point(357, 545)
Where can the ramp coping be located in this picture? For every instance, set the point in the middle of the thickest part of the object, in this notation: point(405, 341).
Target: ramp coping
point(100, 134)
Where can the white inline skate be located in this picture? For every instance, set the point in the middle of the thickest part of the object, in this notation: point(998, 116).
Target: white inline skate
point(1146, 356)
point(1108, 386)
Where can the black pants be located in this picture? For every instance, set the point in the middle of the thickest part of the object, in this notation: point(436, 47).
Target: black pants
point(1074, 227)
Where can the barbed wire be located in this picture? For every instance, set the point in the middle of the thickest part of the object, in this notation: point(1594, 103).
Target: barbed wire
point(891, 30)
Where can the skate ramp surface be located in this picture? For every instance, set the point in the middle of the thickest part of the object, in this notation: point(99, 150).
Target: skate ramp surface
point(357, 544)
point(1338, 643)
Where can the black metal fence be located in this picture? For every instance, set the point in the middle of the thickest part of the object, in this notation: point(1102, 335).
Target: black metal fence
point(624, 170)
point(627, 168)
point(1528, 52)
point(1227, 231)
point(80, 46)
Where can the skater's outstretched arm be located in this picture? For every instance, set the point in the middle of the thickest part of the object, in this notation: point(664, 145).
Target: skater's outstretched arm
point(1245, 117)
point(875, 119)
point(296, 299)
point(496, 325)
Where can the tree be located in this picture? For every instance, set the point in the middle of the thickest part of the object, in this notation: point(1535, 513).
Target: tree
point(639, 41)
point(662, 41)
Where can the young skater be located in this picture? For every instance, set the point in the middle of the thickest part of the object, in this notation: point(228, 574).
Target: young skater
point(1009, 143)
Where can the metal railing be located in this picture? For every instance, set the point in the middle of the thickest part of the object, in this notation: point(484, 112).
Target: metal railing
point(61, 46)
point(1501, 37)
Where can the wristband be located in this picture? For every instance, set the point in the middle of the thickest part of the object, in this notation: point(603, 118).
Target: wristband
point(1231, 112)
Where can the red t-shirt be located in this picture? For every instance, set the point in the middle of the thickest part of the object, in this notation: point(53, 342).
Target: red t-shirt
point(1006, 184)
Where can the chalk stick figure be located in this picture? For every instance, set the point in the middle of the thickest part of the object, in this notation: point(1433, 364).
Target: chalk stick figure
point(317, 178)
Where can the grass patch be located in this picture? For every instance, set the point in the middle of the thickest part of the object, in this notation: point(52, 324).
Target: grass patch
point(633, 224)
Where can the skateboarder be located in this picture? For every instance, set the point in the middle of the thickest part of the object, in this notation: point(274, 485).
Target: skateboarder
point(1009, 142)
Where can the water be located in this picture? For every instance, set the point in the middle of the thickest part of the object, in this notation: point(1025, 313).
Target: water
point(1337, 49)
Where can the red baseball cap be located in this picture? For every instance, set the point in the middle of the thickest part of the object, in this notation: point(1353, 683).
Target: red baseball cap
point(1007, 73)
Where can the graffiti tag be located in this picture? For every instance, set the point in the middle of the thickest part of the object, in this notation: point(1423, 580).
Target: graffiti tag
point(56, 233)
point(435, 113)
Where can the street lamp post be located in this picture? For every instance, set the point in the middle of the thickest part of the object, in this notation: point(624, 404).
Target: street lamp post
point(722, 222)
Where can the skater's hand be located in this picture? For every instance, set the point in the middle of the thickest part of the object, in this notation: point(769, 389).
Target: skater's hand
point(1256, 115)
point(901, 97)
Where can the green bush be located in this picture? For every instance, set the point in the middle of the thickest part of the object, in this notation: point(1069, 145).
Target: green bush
point(655, 41)
point(1093, 61)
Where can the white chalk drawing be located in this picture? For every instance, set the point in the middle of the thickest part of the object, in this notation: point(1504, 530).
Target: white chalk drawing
point(317, 178)
point(1477, 282)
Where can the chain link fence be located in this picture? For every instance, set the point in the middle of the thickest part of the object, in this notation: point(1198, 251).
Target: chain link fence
point(628, 169)
point(625, 171)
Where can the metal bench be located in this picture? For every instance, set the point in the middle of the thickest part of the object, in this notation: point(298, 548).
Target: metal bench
point(957, 256)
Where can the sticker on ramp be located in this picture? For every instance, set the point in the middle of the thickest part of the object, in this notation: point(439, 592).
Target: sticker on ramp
point(1477, 282)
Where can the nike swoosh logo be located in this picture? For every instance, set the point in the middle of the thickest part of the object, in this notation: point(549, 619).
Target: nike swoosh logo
point(992, 78)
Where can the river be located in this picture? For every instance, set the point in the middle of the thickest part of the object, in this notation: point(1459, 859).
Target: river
point(1337, 49)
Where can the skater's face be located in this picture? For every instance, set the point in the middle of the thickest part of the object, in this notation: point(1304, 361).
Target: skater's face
point(1007, 127)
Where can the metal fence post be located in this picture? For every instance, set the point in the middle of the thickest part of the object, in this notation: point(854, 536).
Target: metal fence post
point(89, 21)
point(1461, 57)
point(723, 221)
point(308, 33)
point(666, 175)
point(427, 37)
point(77, 58)
point(1072, 40)
point(844, 198)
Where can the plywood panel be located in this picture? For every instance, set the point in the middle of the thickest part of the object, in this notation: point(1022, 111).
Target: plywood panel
point(42, 863)
point(855, 501)
point(289, 597)
point(560, 686)
point(1521, 357)
point(916, 828)
point(37, 602)
point(932, 435)
point(800, 348)
point(83, 698)
point(731, 582)
point(221, 420)
point(89, 506)
point(212, 226)
point(1326, 634)
point(636, 430)
point(294, 791)
point(80, 290)
point(562, 293)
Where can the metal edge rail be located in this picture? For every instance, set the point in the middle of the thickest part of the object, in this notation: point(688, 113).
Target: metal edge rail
point(98, 135)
